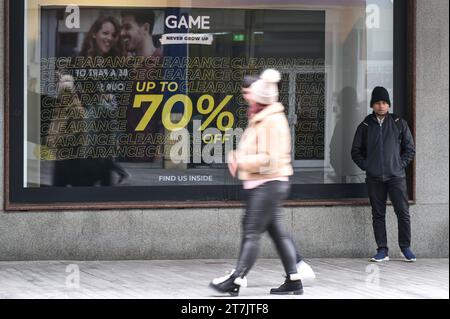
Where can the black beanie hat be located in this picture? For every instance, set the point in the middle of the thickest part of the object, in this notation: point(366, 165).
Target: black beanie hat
point(380, 94)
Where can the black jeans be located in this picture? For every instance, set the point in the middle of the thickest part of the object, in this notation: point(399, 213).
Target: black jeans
point(378, 191)
point(264, 213)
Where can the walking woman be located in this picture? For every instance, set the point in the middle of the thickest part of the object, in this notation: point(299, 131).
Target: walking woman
point(263, 162)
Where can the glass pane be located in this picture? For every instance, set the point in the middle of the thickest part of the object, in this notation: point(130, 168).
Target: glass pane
point(152, 97)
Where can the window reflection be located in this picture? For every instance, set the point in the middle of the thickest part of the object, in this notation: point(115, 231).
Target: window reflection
point(331, 56)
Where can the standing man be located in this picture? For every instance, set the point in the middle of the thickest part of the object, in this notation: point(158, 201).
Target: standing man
point(383, 147)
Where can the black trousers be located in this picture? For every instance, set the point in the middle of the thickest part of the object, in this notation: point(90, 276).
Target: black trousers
point(397, 191)
point(264, 213)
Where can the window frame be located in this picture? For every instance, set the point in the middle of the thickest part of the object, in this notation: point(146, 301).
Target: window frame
point(404, 82)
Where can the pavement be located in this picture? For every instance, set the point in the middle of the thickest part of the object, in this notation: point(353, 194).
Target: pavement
point(189, 279)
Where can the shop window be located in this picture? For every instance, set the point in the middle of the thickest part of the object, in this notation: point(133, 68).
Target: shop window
point(138, 104)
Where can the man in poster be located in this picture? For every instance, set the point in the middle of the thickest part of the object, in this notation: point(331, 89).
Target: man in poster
point(137, 36)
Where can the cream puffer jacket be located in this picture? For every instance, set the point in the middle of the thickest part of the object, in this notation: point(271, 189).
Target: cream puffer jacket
point(264, 151)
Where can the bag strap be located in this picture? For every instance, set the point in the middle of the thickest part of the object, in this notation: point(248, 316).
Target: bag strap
point(398, 121)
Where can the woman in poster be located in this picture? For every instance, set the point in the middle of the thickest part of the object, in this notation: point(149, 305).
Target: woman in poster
point(104, 39)
point(68, 171)
point(263, 162)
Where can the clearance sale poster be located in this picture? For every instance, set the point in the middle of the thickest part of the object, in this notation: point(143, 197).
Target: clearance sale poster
point(152, 96)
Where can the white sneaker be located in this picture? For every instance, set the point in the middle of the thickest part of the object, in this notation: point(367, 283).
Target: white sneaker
point(306, 273)
point(218, 280)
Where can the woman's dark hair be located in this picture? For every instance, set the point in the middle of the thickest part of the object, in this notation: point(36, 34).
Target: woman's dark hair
point(89, 47)
point(249, 80)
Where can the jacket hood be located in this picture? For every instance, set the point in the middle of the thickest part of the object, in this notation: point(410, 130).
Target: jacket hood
point(373, 117)
point(268, 110)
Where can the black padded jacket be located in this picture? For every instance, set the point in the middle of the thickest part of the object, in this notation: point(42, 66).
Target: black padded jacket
point(383, 151)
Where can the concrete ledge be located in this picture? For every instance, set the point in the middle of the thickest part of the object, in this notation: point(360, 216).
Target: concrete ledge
point(191, 234)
